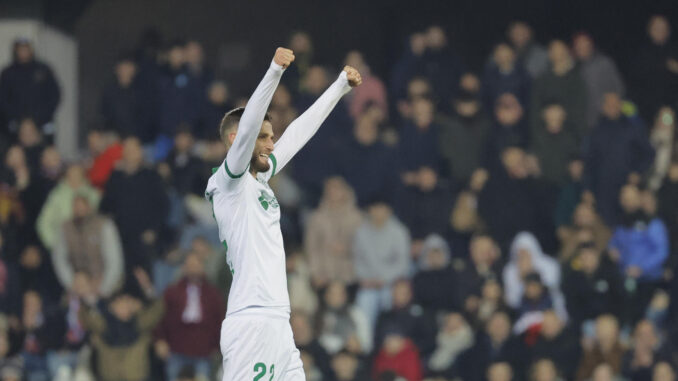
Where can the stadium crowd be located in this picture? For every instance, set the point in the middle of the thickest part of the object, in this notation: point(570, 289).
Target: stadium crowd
point(517, 221)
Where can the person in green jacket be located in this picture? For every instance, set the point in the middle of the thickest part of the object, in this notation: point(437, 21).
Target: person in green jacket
point(59, 205)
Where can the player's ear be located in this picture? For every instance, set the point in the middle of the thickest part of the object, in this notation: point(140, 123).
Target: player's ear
point(231, 138)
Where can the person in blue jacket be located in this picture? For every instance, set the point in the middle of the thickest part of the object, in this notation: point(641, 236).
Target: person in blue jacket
point(640, 245)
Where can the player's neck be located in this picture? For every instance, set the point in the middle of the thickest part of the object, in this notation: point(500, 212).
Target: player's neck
point(253, 172)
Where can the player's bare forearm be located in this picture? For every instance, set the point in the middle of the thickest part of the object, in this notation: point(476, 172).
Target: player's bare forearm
point(240, 153)
point(302, 129)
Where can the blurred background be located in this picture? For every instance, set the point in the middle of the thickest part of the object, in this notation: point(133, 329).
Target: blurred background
point(498, 201)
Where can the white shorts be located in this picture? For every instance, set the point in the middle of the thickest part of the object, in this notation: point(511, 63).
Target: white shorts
point(257, 345)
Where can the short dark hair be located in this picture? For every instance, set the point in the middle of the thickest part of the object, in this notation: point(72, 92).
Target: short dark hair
point(231, 119)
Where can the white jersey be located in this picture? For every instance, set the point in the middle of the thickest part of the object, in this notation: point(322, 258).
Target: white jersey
point(245, 208)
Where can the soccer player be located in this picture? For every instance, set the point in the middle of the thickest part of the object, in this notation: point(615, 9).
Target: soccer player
point(256, 337)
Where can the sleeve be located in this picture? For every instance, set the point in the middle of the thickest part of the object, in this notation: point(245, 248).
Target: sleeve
point(151, 315)
point(240, 153)
point(62, 268)
point(659, 242)
point(361, 266)
point(313, 243)
point(112, 252)
point(302, 129)
point(48, 221)
point(92, 319)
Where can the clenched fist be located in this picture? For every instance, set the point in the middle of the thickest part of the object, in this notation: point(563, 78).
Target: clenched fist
point(283, 57)
point(353, 76)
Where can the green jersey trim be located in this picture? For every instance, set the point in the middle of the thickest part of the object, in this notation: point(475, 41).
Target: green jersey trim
point(232, 175)
point(275, 163)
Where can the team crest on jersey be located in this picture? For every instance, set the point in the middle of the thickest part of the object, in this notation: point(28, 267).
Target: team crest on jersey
point(267, 201)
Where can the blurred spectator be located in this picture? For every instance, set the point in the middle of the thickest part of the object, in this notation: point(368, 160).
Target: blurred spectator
point(640, 245)
point(530, 54)
point(28, 89)
point(36, 274)
point(200, 74)
point(482, 265)
point(570, 193)
point(454, 337)
point(179, 101)
point(41, 183)
point(315, 162)
point(348, 367)
point(599, 73)
point(282, 110)
point(429, 55)
point(330, 232)
point(306, 341)
point(462, 137)
point(135, 198)
point(504, 74)
point(10, 365)
point(194, 310)
point(416, 322)
point(106, 151)
point(645, 353)
point(655, 70)
point(217, 105)
point(604, 372)
point(586, 228)
point(617, 150)
point(562, 84)
point(592, 286)
point(187, 172)
point(301, 44)
point(10, 287)
point(544, 370)
point(434, 273)
point(500, 371)
point(557, 343)
point(527, 257)
point(121, 332)
point(668, 210)
point(59, 205)
point(88, 243)
point(425, 205)
point(509, 130)
point(663, 371)
point(366, 163)
point(662, 138)
point(303, 297)
point(530, 312)
point(122, 102)
point(554, 144)
point(31, 140)
point(418, 145)
point(342, 325)
point(506, 202)
point(381, 255)
point(400, 355)
point(494, 344)
point(36, 338)
point(604, 348)
point(371, 92)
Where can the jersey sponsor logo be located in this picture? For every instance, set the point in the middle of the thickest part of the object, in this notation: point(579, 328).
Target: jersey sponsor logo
point(268, 201)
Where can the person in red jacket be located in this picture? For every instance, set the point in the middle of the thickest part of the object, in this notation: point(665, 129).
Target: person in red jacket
point(106, 149)
point(189, 332)
point(399, 355)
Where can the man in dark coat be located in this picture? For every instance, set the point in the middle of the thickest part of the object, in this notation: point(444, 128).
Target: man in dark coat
point(27, 88)
point(617, 149)
point(563, 84)
point(136, 199)
point(120, 102)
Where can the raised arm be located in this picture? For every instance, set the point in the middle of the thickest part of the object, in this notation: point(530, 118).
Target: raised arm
point(240, 152)
point(302, 129)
